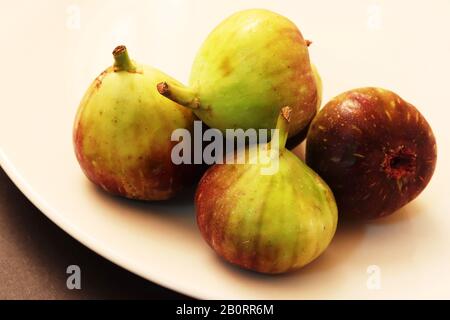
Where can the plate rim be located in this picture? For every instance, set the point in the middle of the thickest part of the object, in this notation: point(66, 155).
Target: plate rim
point(89, 242)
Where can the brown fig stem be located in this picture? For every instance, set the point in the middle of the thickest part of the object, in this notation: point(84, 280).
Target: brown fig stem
point(308, 42)
point(283, 126)
point(122, 61)
point(179, 94)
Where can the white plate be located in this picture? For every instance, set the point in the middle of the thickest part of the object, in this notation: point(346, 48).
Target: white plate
point(52, 50)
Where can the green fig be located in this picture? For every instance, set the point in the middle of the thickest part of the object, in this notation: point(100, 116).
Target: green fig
point(122, 132)
point(252, 64)
point(270, 223)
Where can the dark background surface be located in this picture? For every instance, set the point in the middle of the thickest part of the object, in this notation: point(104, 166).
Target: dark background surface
point(35, 253)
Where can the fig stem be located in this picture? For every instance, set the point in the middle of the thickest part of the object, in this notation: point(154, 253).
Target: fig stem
point(283, 126)
point(179, 94)
point(122, 61)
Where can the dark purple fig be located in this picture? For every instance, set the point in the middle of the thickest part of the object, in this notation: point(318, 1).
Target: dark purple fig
point(374, 149)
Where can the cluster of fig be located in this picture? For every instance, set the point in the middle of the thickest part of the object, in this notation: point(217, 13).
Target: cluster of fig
point(368, 151)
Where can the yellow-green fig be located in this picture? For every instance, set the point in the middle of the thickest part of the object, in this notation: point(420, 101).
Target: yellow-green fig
point(250, 66)
point(267, 221)
point(122, 132)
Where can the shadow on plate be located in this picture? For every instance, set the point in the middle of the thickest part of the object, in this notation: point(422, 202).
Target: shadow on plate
point(348, 238)
point(182, 204)
point(403, 215)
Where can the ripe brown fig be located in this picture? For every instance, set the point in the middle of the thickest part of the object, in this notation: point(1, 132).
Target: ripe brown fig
point(374, 149)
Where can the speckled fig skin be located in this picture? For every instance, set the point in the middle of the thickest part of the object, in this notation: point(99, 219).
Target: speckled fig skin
point(266, 223)
point(122, 133)
point(298, 138)
point(374, 149)
point(250, 66)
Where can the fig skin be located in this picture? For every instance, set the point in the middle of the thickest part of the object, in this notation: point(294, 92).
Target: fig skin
point(266, 223)
point(294, 141)
point(122, 133)
point(374, 149)
point(251, 65)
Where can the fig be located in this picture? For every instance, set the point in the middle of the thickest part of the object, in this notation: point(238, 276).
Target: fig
point(267, 222)
point(374, 149)
point(122, 133)
point(249, 67)
point(298, 138)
